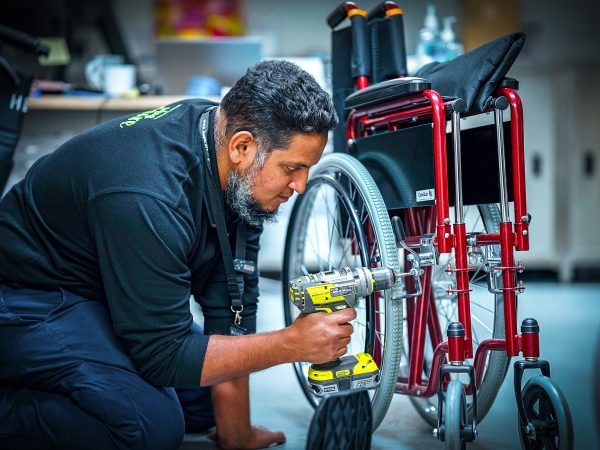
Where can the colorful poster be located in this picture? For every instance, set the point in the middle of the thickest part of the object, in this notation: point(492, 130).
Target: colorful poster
point(198, 18)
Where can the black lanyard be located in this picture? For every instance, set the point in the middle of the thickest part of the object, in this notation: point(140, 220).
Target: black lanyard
point(234, 269)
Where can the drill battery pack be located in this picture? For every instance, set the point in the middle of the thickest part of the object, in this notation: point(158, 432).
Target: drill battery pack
point(348, 372)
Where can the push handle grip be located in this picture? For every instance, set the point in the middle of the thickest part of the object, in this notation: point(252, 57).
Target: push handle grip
point(396, 29)
point(383, 9)
point(360, 63)
point(398, 44)
point(361, 50)
point(22, 41)
point(338, 15)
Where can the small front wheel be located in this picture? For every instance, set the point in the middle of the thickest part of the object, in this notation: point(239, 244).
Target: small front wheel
point(549, 424)
point(455, 416)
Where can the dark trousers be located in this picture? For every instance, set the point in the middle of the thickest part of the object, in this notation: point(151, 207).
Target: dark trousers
point(66, 380)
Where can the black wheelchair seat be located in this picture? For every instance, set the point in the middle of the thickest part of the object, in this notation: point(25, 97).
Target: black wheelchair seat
point(385, 91)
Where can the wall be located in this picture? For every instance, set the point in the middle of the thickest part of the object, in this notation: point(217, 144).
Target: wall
point(558, 32)
point(299, 27)
point(290, 28)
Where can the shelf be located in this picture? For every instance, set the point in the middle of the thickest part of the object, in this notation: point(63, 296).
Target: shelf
point(66, 103)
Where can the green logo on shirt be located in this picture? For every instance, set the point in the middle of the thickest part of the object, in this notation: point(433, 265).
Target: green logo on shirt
point(152, 114)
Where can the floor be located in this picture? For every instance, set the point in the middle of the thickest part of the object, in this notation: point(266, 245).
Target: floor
point(569, 317)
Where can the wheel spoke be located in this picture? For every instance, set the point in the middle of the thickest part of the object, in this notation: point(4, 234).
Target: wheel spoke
point(480, 322)
point(482, 307)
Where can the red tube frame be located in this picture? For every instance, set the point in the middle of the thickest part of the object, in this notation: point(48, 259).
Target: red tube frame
point(422, 313)
point(518, 157)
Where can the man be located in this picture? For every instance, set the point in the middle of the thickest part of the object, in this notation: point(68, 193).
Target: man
point(102, 244)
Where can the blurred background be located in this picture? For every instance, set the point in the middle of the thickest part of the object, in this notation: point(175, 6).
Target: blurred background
point(173, 48)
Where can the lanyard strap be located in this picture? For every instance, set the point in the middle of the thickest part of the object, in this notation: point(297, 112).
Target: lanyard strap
point(235, 282)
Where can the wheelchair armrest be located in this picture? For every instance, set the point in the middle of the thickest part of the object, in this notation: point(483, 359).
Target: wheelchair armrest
point(385, 91)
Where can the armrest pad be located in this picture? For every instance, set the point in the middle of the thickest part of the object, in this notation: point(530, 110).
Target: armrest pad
point(386, 90)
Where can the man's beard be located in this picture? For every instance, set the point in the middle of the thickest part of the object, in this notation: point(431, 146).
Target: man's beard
point(238, 195)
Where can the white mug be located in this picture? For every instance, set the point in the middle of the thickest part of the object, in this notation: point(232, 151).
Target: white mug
point(119, 79)
point(95, 69)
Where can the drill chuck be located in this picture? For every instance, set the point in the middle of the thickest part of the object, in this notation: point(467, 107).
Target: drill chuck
point(383, 278)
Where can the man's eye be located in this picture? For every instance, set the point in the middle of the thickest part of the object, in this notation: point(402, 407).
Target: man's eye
point(292, 168)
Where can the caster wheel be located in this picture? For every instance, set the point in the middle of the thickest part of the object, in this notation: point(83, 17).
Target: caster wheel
point(455, 416)
point(549, 424)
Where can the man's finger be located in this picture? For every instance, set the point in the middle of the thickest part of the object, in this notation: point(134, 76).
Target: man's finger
point(344, 342)
point(347, 329)
point(345, 315)
point(341, 352)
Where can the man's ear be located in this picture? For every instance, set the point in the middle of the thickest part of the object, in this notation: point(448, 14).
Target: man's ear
point(242, 149)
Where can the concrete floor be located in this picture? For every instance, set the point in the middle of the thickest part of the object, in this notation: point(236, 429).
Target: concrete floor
point(569, 317)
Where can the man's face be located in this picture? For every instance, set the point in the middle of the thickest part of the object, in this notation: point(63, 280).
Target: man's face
point(286, 171)
point(256, 193)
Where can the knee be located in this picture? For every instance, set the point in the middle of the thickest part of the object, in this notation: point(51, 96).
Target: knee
point(162, 424)
point(154, 422)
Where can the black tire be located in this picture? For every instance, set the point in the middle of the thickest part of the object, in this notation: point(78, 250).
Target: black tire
point(455, 416)
point(498, 362)
point(547, 410)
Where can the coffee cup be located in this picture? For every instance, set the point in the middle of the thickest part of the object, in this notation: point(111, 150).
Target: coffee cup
point(118, 79)
point(95, 69)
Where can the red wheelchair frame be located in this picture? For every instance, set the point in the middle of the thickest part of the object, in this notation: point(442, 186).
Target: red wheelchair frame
point(392, 114)
point(455, 238)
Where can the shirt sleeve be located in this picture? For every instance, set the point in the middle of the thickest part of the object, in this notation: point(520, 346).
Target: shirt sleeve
point(214, 296)
point(142, 246)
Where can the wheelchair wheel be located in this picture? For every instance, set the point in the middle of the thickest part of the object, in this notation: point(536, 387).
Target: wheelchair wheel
point(487, 317)
point(341, 220)
point(455, 416)
point(549, 423)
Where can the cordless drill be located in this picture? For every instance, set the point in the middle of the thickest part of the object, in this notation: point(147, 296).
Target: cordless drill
point(331, 291)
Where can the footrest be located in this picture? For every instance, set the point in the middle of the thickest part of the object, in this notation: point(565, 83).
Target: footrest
point(385, 91)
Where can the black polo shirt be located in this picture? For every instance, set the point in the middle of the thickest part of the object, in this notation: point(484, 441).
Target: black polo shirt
point(118, 214)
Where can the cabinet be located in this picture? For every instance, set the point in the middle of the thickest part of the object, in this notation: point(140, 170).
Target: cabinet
point(581, 157)
point(539, 116)
point(562, 151)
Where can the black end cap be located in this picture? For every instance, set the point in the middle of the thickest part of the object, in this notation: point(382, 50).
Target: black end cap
point(511, 83)
point(459, 105)
point(455, 329)
point(530, 325)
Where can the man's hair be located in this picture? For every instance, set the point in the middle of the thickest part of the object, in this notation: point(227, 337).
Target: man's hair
point(275, 100)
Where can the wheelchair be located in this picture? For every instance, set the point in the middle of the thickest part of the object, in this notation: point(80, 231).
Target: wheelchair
point(412, 154)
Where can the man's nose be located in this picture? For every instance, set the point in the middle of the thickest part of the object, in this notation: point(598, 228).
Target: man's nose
point(298, 182)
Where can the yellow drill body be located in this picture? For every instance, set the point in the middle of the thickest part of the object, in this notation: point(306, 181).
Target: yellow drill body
point(331, 291)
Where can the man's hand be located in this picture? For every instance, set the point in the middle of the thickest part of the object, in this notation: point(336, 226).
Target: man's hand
point(315, 338)
point(320, 337)
point(259, 437)
point(231, 404)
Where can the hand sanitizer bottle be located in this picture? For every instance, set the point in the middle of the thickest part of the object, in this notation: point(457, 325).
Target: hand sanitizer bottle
point(430, 47)
point(453, 48)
